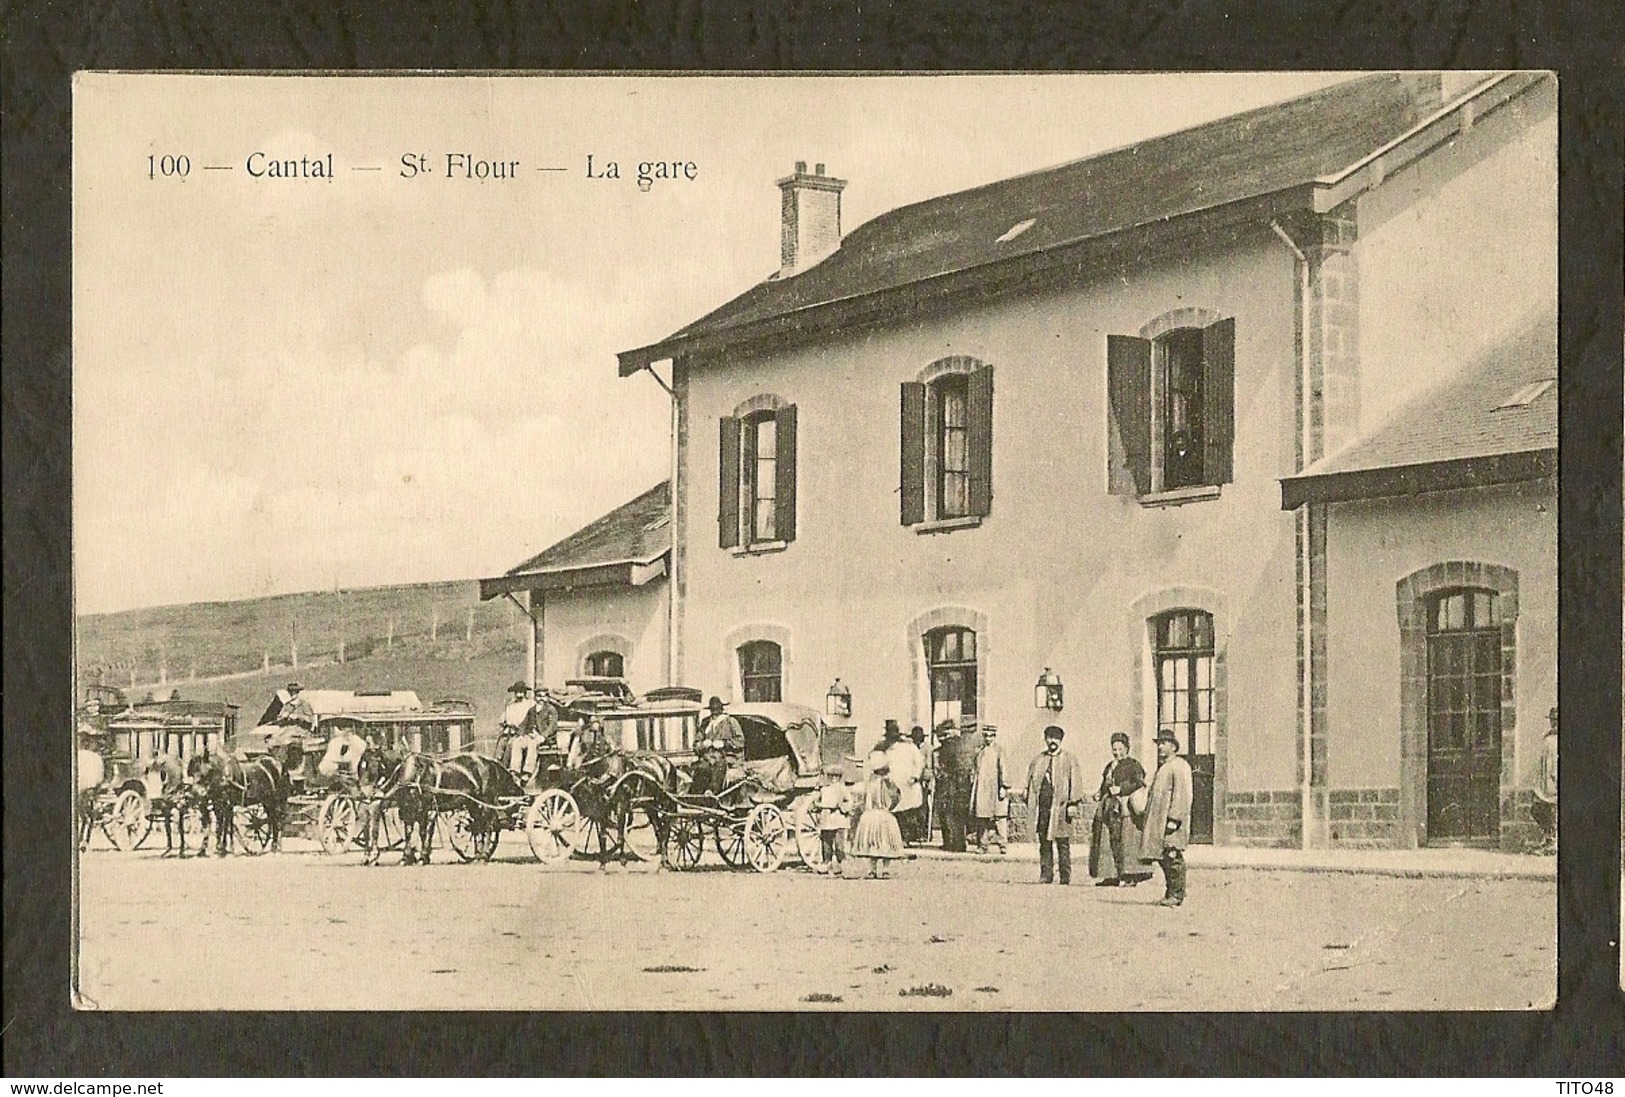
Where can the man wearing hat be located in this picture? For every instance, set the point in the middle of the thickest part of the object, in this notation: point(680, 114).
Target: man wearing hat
point(294, 720)
point(1543, 810)
point(520, 731)
point(296, 710)
point(1167, 817)
point(722, 747)
point(1055, 792)
point(906, 763)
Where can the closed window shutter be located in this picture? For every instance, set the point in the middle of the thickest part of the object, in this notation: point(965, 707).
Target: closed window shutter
point(785, 490)
point(1128, 383)
point(728, 484)
point(911, 486)
point(979, 440)
point(1219, 401)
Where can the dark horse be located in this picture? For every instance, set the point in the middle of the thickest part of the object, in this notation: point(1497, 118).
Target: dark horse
point(423, 786)
point(614, 786)
point(229, 784)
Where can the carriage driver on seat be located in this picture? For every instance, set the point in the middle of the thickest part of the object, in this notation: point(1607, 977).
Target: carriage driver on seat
point(722, 751)
point(295, 720)
point(522, 732)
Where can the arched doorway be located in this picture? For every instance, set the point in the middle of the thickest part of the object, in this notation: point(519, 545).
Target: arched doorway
point(1464, 674)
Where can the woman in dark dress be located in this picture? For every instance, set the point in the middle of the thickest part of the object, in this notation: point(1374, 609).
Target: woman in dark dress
point(1116, 831)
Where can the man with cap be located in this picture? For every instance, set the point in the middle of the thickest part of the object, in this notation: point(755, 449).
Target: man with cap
point(1054, 794)
point(1167, 817)
point(296, 710)
point(1543, 810)
point(990, 792)
point(294, 720)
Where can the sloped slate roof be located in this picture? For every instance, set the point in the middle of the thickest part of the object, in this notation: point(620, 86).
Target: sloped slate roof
point(1248, 155)
point(1463, 417)
point(1462, 429)
point(639, 531)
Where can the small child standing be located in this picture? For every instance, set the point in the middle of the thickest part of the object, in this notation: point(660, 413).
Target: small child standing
point(834, 818)
point(878, 836)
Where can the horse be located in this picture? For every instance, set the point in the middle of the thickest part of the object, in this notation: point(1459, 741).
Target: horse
point(91, 774)
point(422, 787)
point(230, 784)
point(606, 800)
point(172, 788)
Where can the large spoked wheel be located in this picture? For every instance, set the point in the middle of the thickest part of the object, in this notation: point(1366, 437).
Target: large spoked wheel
point(684, 844)
point(338, 823)
point(637, 816)
point(127, 824)
point(551, 823)
point(768, 835)
point(253, 828)
point(730, 842)
point(809, 845)
point(467, 842)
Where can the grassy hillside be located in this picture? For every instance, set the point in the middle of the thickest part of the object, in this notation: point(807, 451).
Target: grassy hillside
point(436, 638)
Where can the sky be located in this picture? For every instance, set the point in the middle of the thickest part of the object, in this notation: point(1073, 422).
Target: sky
point(292, 384)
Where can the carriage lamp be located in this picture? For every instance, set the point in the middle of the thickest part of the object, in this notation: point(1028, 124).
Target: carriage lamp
point(838, 701)
point(1047, 691)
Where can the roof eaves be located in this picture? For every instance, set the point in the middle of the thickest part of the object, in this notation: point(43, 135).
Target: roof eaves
point(1387, 481)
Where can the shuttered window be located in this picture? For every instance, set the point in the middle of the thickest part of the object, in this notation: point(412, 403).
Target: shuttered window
point(946, 470)
point(1172, 409)
point(756, 488)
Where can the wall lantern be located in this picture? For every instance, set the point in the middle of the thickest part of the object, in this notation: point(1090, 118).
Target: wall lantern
point(1047, 692)
point(838, 701)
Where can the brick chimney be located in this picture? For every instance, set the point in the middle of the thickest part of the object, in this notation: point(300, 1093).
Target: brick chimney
point(810, 225)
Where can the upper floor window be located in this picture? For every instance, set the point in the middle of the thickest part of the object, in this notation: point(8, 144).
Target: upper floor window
point(761, 671)
point(605, 664)
point(947, 445)
point(1172, 409)
point(757, 477)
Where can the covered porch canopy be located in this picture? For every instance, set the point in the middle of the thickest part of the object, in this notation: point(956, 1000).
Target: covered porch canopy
point(629, 546)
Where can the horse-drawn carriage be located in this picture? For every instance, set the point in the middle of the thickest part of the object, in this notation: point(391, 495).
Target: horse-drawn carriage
point(331, 792)
point(765, 815)
point(120, 790)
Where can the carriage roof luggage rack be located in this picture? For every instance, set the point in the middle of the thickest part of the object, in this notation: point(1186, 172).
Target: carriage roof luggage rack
point(675, 693)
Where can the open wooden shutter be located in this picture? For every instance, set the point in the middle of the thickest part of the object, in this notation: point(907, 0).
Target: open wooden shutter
point(1219, 401)
point(979, 439)
point(785, 490)
point(1128, 384)
point(728, 484)
point(911, 485)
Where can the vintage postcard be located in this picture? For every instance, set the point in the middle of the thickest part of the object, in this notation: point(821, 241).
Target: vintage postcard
point(997, 542)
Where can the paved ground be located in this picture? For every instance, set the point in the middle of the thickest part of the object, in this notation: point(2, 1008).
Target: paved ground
point(301, 930)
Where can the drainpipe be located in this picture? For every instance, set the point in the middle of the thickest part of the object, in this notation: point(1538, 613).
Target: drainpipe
point(1301, 525)
point(671, 563)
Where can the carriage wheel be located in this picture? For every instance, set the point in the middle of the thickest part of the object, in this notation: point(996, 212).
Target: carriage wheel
point(809, 842)
point(127, 825)
point(551, 822)
point(767, 836)
point(684, 844)
point(338, 823)
point(636, 815)
point(730, 842)
point(468, 843)
point(586, 840)
point(253, 827)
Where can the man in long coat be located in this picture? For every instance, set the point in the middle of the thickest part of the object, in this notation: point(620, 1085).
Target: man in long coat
point(1167, 817)
point(989, 795)
point(1054, 795)
point(906, 764)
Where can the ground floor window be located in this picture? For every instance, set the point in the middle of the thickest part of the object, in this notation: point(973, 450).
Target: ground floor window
point(950, 659)
point(605, 664)
point(761, 671)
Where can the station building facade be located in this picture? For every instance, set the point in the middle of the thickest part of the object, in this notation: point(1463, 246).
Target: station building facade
point(1129, 420)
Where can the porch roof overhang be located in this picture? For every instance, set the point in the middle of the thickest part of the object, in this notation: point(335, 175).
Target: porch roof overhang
point(612, 573)
point(1416, 479)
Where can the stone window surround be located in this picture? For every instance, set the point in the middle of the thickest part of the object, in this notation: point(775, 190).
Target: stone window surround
point(744, 634)
point(604, 641)
point(957, 616)
point(1141, 620)
point(1411, 596)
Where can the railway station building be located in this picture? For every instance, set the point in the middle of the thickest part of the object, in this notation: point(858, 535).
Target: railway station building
point(1248, 430)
